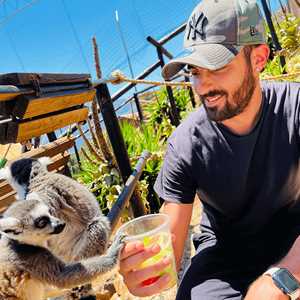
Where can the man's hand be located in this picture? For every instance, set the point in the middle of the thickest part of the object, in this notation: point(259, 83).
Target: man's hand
point(132, 255)
point(265, 289)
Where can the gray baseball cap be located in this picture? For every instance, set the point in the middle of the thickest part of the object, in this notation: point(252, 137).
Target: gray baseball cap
point(216, 32)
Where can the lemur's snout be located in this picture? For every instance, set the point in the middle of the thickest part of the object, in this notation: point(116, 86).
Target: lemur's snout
point(59, 228)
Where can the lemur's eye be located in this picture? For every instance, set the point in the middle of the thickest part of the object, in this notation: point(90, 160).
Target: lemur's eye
point(42, 222)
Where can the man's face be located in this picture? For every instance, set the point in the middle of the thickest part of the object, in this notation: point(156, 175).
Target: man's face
point(226, 92)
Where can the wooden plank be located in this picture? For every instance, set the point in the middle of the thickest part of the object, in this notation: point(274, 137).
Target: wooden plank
point(18, 132)
point(51, 149)
point(8, 92)
point(3, 130)
point(6, 200)
point(30, 107)
point(59, 162)
point(42, 78)
point(7, 194)
point(8, 96)
point(5, 188)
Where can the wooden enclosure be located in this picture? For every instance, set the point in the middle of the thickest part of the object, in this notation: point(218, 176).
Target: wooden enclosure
point(34, 104)
point(59, 155)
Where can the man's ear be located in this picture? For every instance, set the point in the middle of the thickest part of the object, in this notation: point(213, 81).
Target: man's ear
point(260, 55)
point(9, 224)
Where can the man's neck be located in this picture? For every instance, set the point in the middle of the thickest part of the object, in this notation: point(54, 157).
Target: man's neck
point(243, 123)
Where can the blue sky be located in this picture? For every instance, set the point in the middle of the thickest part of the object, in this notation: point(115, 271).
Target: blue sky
point(55, 35)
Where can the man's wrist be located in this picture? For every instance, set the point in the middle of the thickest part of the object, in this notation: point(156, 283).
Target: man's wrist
point(278, 293)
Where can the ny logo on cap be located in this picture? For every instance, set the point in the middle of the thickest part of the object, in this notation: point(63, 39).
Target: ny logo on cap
point(253, 31)
point(197, 26)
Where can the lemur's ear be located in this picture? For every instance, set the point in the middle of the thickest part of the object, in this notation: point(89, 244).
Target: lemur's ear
point(45, 161)
point(9, 224)
point(5, 173)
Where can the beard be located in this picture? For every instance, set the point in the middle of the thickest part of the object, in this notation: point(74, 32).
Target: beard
point(240, 99)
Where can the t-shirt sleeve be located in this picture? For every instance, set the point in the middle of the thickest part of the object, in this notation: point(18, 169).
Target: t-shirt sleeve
point(174, 182)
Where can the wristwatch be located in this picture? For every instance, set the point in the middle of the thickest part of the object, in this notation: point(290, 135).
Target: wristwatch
point(285, 281)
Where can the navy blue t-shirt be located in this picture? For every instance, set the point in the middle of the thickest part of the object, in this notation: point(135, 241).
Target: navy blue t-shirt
point(247, 184)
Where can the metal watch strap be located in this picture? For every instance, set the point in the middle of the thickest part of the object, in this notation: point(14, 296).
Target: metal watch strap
point(273, 270)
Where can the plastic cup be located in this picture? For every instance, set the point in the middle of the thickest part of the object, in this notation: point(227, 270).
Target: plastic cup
point(150, 230)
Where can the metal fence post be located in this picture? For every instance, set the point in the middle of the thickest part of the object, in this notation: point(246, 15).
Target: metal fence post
point(138, 107)
point(272, 30)
point(117, 141)
point(191, 93)
point(174, 111)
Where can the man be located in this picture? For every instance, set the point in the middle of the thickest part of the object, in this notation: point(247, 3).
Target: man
point(239, 152)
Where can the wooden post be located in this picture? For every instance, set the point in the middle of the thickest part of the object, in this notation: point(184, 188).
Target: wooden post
point(77, 155)
point(117, 141)
point(51, 136)
point(138, 107)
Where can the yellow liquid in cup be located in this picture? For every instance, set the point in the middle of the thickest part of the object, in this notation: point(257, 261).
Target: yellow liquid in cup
point(164, 241)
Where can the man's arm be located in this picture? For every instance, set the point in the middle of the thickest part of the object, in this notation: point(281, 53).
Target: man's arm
point(133, 254)
point(264, 288)
point(180, 220)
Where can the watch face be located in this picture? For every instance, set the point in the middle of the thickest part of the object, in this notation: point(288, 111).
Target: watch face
point(285, 281)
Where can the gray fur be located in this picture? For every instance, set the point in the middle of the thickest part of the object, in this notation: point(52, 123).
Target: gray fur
point(36, 266)
point(87, 230)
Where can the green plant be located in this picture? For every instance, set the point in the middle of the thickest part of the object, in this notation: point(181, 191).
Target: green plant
point(138, 139)
point(288, 32)
point(159, 110)
point(102, 180)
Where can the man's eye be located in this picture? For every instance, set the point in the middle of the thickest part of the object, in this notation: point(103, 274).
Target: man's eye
point(41, 222)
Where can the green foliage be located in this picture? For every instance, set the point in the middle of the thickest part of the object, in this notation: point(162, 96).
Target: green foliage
point(273, 68)
point(102, 180)
point(158, 111)
point(145, 137)
point(138, 139)
point(288, 32)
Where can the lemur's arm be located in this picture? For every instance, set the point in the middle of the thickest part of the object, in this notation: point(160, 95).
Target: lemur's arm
point(46, 267)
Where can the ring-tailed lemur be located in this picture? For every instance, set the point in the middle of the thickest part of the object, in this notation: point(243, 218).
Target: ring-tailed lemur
point(27, 268)
point(68, 200)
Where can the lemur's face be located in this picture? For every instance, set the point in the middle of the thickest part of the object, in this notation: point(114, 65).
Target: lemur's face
point(30, 222)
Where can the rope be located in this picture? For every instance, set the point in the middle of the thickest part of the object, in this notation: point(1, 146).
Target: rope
point(117, 77)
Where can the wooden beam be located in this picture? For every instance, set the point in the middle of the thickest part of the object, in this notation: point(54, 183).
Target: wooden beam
point(8, 96)
point(5, 188)
point(3, 139)
point(22, 131)
point(51, 149)
point(6, 200)
point(59, 161)
point(30, 106)
point(7, 194)
point(8, 92)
